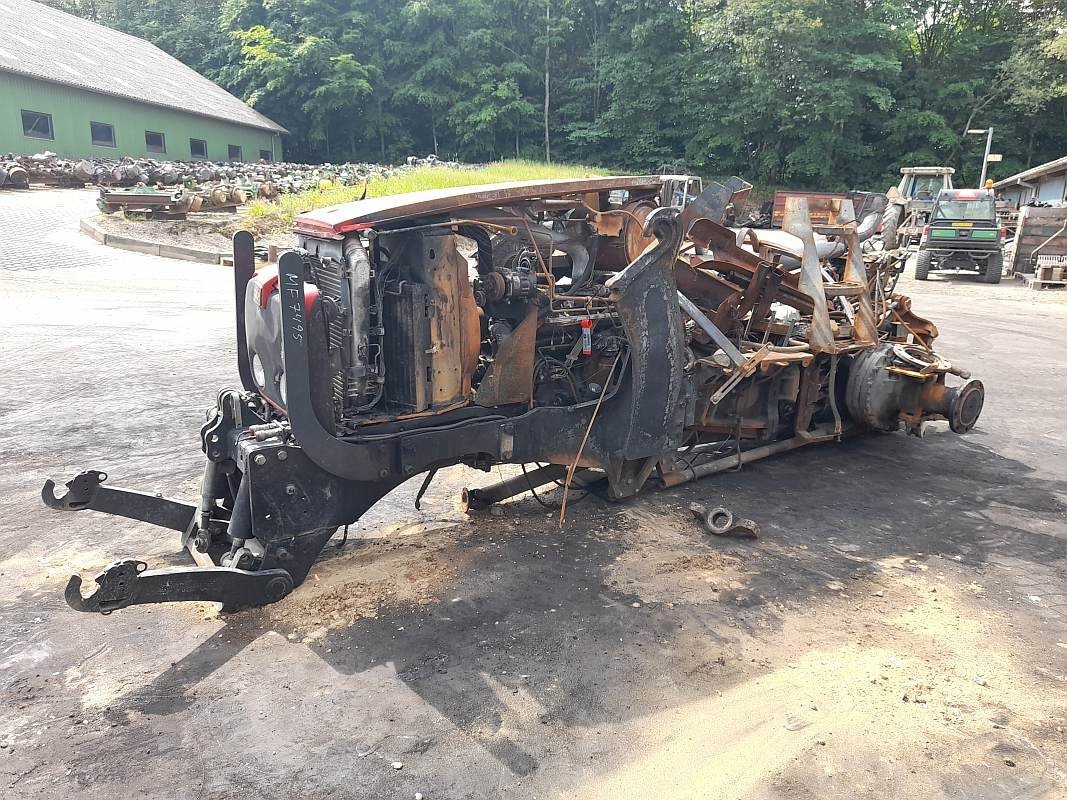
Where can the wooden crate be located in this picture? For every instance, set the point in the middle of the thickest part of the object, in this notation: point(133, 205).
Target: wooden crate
point(1036, 225)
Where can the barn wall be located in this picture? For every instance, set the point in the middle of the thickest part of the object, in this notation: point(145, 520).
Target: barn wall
point(73, 109)
point(1051, 188)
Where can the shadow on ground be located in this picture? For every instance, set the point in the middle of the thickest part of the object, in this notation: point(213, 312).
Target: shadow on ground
point(533, 602)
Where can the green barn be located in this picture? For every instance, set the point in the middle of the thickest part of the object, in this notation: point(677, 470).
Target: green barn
point(77, 89)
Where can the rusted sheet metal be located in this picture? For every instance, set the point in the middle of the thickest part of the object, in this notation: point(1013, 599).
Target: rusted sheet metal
point(798, 222)
point(838, 219)
point(338, 220)
point(509, 377)
point(730, 258)
point(819, 212)
point(714, 201)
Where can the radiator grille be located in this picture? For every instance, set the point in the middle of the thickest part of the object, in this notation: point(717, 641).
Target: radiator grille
point(407, 360)
point(329, 276)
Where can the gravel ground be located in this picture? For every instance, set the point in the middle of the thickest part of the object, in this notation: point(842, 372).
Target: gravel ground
point(898, 631)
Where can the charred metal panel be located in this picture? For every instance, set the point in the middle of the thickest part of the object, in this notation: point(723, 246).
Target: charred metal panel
point(509, 377)
point(646, 299)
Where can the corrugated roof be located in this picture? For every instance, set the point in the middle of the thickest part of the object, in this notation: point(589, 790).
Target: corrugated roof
point(1026, 175)
point(42, 42)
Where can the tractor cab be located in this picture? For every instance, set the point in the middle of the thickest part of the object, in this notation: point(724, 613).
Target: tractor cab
point(910, 204)
point(678, 191)
point(924, 183)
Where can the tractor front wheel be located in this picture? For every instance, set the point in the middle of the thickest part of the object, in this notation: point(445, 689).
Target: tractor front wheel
point(923, 261)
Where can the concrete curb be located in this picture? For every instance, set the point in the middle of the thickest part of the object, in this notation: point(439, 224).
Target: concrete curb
point(151, 248)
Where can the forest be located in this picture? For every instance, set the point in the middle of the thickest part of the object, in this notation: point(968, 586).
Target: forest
point(826, 94)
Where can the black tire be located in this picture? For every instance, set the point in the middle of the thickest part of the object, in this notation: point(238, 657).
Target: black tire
point(890, 226)
point(994, 268)
point(922, 265)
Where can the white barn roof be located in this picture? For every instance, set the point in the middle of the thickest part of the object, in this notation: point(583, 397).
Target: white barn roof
point(48, 44)
point(1027, 175)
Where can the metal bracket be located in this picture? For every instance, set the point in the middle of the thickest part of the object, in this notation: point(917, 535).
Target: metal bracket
point(739, 374)
point(129, 582)
point(797, 221)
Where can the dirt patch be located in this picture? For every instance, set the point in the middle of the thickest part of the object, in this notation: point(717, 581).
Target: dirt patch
point(700, 562)
point(379, 575)
point(49, 569)
point(202, 231)
point(668, 558)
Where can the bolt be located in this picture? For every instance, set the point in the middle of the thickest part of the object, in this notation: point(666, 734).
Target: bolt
point(290, 490)
point(382, 473)
point(283, 454)
point(260, 459)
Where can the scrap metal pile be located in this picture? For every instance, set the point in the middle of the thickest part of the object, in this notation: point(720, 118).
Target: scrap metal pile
point(13, 175)
point(587, 327)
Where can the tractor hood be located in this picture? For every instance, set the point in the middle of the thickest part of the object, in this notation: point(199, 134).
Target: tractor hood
point(335, 221)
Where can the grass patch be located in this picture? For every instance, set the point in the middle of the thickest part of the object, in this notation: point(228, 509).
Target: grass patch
point(263, 217)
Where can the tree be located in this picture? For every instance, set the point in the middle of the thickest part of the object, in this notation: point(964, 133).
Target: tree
point(824, 94)
point(805, 89)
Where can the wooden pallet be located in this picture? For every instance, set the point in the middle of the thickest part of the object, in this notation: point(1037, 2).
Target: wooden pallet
point(1036, 283)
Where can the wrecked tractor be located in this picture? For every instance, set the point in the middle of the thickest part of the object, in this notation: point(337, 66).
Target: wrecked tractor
point(579, 325)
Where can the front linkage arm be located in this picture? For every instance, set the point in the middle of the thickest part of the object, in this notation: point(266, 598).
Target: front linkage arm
point(129, 582)
point(86, 491)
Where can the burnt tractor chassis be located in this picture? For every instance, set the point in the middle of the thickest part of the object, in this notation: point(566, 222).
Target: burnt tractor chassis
point(574, 324)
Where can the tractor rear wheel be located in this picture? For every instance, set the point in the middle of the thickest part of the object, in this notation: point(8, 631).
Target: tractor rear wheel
point(890, 227)
point(994, 268)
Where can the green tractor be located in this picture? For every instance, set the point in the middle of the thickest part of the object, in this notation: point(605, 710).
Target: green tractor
point(962, 234)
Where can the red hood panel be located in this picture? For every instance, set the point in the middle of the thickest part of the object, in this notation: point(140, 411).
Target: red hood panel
point(335, 221)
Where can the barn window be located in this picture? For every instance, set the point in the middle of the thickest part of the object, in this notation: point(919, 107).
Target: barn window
point(198, 148)
point(155, 142)
point(102, 133)
point(266, 155)
point(234, 152)
point(37, 124)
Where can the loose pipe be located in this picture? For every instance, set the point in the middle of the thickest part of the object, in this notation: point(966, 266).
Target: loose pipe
point(671, 479)
point(827, 249)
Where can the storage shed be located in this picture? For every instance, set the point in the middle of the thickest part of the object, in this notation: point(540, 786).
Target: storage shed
point(1046, 183)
